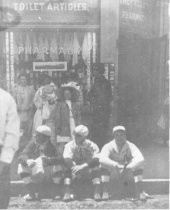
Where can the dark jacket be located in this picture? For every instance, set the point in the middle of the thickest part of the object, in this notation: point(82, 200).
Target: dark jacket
point(60, 118)
point(33, 151)
point(100, 93)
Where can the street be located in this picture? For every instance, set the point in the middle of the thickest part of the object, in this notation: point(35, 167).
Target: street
point(158, 202)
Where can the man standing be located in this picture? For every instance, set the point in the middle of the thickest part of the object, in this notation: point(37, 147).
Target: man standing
point(123, 161)
point(9, 140)
point(100, 99)
point(81, 158)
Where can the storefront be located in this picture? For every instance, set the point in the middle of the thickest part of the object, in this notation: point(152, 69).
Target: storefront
point(124, 34)
point(64, 32)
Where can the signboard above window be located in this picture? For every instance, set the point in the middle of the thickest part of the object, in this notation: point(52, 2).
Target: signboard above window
point(49, 66)
point(41, 12)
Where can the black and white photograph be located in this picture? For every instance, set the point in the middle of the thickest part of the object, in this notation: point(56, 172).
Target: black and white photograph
point(84, 104)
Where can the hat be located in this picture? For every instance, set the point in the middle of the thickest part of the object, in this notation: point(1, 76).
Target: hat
point(81, 130)
point(119, 127)
point(45, 130)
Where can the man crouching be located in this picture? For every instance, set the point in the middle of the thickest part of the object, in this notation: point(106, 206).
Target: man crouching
point(123, 161)
point(81, 158)
point(39, 163)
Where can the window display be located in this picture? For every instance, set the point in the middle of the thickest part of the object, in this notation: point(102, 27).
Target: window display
point(75, 51)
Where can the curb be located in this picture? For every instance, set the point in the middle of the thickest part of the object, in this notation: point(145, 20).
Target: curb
point(151, 186)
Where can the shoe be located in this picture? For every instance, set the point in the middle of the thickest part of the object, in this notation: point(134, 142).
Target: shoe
point(105, 196)
point(144, 196)
point(131, 199)
point(68, 197)
point(28, 197)
point(56, 198)
point(97, 197)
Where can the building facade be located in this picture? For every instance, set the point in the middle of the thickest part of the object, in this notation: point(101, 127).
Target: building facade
point(130, 37)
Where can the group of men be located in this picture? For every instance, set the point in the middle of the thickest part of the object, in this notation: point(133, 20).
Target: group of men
point(81, 158)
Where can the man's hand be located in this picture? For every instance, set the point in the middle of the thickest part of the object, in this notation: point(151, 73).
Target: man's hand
point(78, 168)
point(2, 166)
point(120, 167)
point(23, 160)
point(31, 163)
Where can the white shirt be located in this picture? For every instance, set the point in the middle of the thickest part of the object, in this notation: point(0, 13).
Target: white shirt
point(9, 127)
point(81, 154)
point(129, 151)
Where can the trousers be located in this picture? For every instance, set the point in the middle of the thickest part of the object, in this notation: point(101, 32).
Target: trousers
point(5, 187)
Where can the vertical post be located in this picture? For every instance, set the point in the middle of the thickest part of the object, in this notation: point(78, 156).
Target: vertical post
point(12, 58)
point(89, 37)
point(7, 61)
point(94, 47)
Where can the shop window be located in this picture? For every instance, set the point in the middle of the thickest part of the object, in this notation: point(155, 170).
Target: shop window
point(77, 49)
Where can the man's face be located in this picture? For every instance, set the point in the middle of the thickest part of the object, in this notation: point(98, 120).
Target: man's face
point(79, 139)
point(120, 137)
point(41, 139)
point(23, 81)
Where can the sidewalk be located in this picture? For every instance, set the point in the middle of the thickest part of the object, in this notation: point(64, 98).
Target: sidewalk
point(159, 202)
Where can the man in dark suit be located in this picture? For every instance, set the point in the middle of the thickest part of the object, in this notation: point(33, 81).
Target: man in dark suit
point(100, 98)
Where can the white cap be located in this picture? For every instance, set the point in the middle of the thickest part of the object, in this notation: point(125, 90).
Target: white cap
point(119, 127)
point(81, 130)
point(45, 130)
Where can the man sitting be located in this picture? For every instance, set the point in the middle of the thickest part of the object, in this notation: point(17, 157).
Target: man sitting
point(122, 161)
point(81, 158)
point(39, 162)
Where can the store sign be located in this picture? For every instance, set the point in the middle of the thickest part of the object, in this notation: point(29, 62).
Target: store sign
point(38, 50)
point(56, 11)
point(136, 15)
point(49, 66)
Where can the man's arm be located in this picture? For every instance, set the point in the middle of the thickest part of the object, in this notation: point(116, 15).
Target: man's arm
point(12, 133)
point(24, 156)
point(137, 160)
point(68, 156)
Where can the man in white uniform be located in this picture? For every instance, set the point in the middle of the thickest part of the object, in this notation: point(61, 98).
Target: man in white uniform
point(82, 159)
point(9, 140)
point(122, 161)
